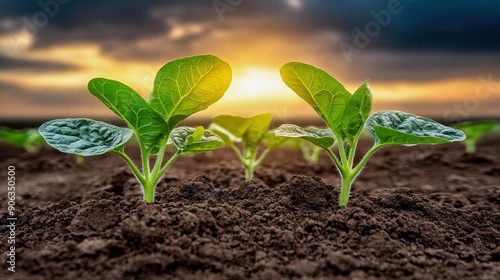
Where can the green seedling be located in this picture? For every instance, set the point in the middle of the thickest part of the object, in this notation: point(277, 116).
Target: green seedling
point(252, 132)
point(310, 152)
point(29, 139)
point(475, 131)
point(346, 114)
point(181, 88)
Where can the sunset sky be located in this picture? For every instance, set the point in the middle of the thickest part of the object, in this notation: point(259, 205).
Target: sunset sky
point(435, 58)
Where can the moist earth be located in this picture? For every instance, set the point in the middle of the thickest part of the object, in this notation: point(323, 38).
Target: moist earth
point(426, 212)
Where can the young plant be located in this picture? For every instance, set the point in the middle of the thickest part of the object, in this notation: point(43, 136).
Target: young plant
point(181, 88)
point(251, 132)
point(475, 131)
point(29, 139)
point(310, 152)
point(346, 114)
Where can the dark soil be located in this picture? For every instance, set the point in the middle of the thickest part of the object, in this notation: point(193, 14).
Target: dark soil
point(430, 212)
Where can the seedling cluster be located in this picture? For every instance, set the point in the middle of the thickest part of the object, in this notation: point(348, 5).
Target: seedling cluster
point(189, 85)
point(253, 132)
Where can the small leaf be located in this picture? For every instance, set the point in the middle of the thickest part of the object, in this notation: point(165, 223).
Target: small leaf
point(357, 112)
point(189, 85)
point(475, 130)
point(197, 134)
point(326, 95)
point(398, 128)
point(29, 139)
point(251, 131)
point(131, 107)
point(84, 137)
point(320, 137)
point(184, 139)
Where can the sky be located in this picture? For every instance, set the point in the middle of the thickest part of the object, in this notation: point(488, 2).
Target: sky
point(434, 58)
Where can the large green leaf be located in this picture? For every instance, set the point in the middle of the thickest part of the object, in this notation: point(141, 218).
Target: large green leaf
point(188, 85)
point(357, 112)
point(326, 95)
point(320, 137)
point(84, 137)
point(190, 140)
point(250, 131)
point(398, 128)
point(130, 106)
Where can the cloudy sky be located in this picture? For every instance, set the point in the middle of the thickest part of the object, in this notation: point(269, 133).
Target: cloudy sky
point(436, 58)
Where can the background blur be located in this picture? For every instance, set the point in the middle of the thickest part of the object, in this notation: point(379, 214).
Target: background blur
point(435, 58)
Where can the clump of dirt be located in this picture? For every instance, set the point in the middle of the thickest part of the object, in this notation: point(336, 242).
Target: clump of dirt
point(431, 214)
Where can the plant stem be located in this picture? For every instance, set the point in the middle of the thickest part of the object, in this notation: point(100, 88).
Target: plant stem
point(347, 173)
point(249, 163)
point(345, 190)
point(261, 157)
point(249, 172)
point(130, 163)
point(149, 191)
point(157, 176)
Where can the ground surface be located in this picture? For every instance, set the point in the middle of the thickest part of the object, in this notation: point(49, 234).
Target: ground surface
point(428, 212)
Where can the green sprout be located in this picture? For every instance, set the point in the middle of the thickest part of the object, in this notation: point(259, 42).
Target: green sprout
point(181, 88)
point(29, 139)
point(346, 114)
point(475, 131)
point(252, 132)
point(309, 151)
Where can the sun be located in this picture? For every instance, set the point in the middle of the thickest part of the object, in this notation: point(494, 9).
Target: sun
point(254, 83)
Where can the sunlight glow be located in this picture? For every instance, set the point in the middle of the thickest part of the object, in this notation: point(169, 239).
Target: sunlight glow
point(253, 82)
point(296, 4)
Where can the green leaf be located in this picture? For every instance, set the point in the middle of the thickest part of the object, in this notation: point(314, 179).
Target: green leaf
point(189, 85)
point(131, 107)
point(189, 140)
point(398, 128)
point(29, 139)
point(320, 137)
point(475, 131)
point(273, 141)
point(326, 95)
point(356, 112)
point(251, 131)
point(84, 137)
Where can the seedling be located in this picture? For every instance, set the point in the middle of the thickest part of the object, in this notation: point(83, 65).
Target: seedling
point(181, 88)
point(252, 132)
point(475, 131)
point(310, 152)
point(29, 139)
point(346, 114)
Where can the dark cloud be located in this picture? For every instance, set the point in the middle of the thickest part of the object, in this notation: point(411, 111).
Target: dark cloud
point(7, 63)
point(46, 98)
point(425, 25)
point(399, 66)
point(427, 40)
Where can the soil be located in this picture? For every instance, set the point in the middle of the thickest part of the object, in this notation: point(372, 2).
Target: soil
point(427, 212)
